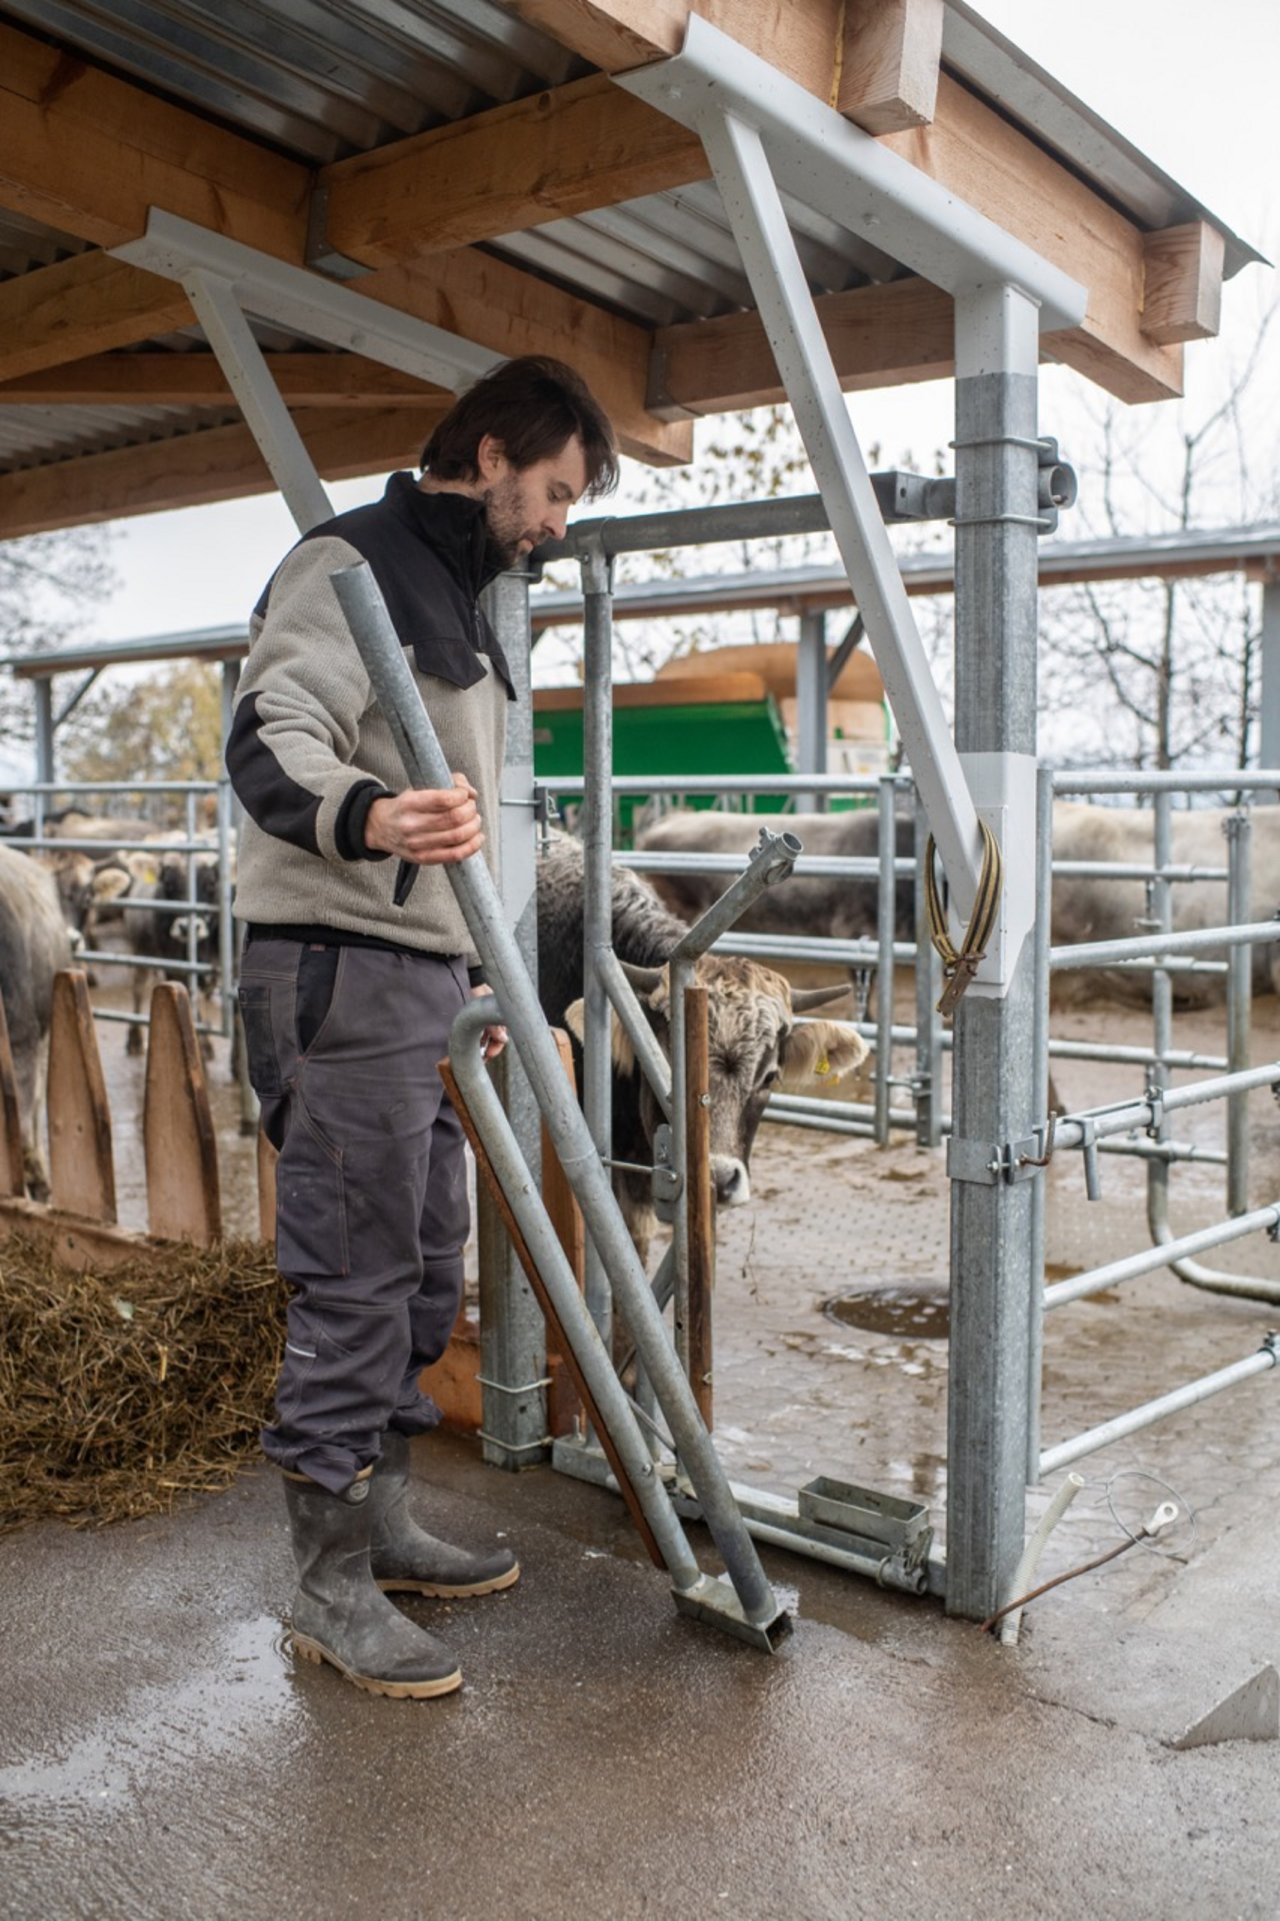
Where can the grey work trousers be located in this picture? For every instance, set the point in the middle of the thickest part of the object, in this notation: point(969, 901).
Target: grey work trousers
point(371, 1192)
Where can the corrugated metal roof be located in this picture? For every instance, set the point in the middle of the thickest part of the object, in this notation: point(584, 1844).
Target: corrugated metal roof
point(325, 78)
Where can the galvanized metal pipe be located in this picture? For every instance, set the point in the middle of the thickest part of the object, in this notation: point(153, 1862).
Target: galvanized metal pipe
point(886, 914)
point(1080, 1286)
point(394, 687)
point(1106, 953)
point(1140, 1417)
point(930, 1041)
point(1238, 830)
point(597, 906)
point(1040, 1105)
point(1098, 1122)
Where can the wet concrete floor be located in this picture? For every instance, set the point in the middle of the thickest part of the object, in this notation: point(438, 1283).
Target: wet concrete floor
point(161, 1755)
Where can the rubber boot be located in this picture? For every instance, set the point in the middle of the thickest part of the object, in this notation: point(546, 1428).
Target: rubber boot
point(339, 1614)
point(407, 1560)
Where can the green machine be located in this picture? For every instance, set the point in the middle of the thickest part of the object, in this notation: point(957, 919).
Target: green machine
point(695, 726)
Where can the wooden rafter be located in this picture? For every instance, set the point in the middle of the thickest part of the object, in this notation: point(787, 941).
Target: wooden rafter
point(85, 305)
point(190, 470)
point(196, 379)
point(91, 154)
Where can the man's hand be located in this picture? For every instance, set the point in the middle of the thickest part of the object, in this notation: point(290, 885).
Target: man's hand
point(428, 826)
point(492, 1039)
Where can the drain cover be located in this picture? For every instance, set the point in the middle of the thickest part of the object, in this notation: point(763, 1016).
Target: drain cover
point(914, 1309)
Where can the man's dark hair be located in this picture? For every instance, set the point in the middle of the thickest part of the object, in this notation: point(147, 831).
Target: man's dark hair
point(533, 405)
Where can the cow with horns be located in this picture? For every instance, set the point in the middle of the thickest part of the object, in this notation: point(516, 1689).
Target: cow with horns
point(755, 1043)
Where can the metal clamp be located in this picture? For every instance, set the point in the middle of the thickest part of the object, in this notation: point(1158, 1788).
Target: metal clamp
point(1056, 485)
point(500, 1387)
point(1154, 1095)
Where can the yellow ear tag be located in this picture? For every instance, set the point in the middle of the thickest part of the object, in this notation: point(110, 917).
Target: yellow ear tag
point(823, 1068)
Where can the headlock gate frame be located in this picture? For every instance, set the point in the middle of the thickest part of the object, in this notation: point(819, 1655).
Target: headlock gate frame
point(765, 138)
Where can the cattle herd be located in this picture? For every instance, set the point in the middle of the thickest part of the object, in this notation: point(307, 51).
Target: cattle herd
point(159, 902)
point(58, 901)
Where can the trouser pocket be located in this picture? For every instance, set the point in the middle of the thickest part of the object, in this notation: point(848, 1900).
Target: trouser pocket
point(261, 1050)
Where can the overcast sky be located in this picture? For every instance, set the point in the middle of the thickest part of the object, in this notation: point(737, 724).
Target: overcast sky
point(1192, 86)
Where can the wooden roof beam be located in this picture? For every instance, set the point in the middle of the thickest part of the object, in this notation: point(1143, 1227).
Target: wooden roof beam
point(196, 380)
point(86, 305)
point(191, 470)
point(891, 58)
point(91, 154)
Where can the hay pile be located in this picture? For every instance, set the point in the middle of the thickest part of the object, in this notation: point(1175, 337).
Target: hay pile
point(121, 1391)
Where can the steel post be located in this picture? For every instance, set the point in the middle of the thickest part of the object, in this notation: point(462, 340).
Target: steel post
point(1269, 698)
point(1040, 1107)
point(1238, 829)
point(811, 705)
point(928, 977)
point(886, 914)
point(44, 736)
point(993, 1080)
point(597, 906)
point(513, 1343)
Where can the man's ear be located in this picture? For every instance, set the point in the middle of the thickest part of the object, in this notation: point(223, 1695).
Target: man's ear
point(491, 457)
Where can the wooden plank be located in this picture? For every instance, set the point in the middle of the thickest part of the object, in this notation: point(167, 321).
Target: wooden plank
point(196, 379)
point(184, 1201)
point(81, 1176)
point(77, 1243)
point(84, 305)
point(889, 67)
point(800, 40)
point(555, 1331)
point(13, 1179)
point(489, 301)
point(878, 336)
point(566, 1217)
point(552, 155)
point(701, 1200)
point(90, 154)
point(1182, 297)
point(267, 1158)
point(978, 155)
point(218, 463)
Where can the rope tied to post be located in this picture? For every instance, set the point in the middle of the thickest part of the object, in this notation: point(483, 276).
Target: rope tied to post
point(959, 965)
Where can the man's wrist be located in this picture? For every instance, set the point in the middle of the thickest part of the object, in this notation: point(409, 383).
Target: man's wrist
point(351, 827)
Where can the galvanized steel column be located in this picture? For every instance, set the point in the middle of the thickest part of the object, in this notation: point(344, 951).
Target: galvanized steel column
point(1269, 697)
point(991, 1218)
point(597, 908)
point(513, 1344)
point(811, 706)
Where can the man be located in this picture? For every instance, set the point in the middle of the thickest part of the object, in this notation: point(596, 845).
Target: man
point(357, 960)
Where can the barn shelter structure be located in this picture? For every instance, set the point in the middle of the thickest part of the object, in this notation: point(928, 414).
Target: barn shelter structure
point(255, 256)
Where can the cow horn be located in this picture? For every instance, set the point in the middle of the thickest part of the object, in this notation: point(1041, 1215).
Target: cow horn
point(645, 980)
point(805, 998)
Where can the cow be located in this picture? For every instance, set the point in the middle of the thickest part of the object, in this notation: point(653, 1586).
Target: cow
point(1099, 910)
point(35, 944)
point(755, 1043)
point(844, 909)
point(154, 933)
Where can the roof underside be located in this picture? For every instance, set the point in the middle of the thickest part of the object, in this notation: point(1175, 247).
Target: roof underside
point(320, 81)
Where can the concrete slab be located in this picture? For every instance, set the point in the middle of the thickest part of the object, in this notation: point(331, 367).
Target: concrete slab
point(163, 1757)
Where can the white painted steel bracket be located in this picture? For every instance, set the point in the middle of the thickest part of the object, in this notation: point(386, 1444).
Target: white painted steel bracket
point(766, 136)
point(309, 303)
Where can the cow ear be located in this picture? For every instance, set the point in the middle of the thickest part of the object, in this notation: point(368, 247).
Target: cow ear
point(624, 1057)
point(822, 1052)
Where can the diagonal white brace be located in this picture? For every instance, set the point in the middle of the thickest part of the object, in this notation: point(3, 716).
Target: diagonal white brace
point(309, 303)
point(229, 334)
point(760, 226)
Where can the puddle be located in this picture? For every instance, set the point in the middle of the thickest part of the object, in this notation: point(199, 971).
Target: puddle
point(913, 1307)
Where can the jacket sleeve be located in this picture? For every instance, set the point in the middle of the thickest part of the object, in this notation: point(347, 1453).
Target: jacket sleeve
point(298, 709)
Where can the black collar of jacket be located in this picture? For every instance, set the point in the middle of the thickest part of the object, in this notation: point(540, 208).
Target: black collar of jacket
point(431, 555)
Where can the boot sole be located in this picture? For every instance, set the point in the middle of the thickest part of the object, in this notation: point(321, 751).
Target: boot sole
point(442, 1591)
point(396, 1690)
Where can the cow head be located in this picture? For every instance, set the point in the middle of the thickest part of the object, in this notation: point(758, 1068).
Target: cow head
point(754, 1046)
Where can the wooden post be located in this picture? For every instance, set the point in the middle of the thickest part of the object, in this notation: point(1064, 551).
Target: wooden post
point(12, 1168)
point(566, 1217)
point(183, 1198)
point(701, 1215)
point(81, 1176)
point(267, 1158)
